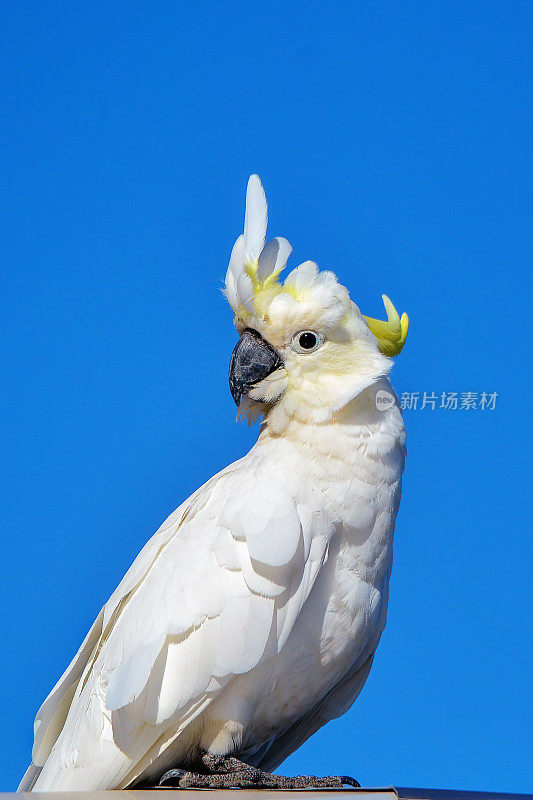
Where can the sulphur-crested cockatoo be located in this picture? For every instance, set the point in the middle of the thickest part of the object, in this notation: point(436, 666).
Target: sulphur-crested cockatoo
point(251, 618)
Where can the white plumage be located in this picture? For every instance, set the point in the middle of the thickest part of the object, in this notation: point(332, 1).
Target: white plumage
point(251, 617)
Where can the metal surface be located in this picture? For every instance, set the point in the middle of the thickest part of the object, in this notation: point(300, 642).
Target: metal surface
point(456, 794)
point(389, 793)
point(192, 794)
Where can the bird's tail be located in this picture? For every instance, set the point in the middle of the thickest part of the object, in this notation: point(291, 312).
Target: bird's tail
point(30, 776)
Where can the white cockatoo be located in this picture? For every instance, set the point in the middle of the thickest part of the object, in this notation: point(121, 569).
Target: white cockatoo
point(251, 618)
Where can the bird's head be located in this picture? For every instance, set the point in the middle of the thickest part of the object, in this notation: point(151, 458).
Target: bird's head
point(305, 350)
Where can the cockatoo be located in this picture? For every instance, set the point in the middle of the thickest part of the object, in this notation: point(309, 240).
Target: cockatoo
point(252, 617)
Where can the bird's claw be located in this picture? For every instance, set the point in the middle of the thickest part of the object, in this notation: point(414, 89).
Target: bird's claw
point(230, 773)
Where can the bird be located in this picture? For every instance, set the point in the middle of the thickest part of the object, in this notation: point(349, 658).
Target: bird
point(252, 616)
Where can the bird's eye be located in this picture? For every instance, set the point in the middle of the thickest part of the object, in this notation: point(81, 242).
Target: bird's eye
point(307, 341)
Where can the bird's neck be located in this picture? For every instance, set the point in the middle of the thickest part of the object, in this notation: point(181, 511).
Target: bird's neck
point(367, 430)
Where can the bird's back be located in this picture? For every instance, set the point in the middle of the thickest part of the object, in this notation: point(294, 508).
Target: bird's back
point(268, 584)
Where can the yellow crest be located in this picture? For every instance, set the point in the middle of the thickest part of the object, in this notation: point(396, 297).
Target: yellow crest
point(252, 279)
point(391, 335)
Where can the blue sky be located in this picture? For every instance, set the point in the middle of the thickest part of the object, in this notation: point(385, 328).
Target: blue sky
point(392, 141)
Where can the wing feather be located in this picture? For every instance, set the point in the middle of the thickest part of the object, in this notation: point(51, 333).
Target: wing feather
point(53, 712)
point(215, 592)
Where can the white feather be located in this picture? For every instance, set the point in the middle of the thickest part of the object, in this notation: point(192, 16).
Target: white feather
point(237, 258)
point(245, 292)
point(256, 217)
point(273, 257)
point(130, 677)
point(256, 598)
point(252, 616)
point(53, 712)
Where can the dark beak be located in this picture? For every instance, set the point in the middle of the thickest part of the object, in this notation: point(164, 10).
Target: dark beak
point(251, 361)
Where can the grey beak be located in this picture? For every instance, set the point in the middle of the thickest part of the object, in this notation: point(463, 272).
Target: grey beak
point(251, 361)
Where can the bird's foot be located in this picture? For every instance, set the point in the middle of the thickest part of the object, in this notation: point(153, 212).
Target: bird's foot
point(229, 773)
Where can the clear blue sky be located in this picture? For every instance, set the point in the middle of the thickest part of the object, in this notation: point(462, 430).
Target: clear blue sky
point(392, 141)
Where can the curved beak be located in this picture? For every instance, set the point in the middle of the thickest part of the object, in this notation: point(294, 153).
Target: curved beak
point(251, 361)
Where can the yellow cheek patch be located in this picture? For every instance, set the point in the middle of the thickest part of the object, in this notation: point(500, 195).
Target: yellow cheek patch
point(391, 335)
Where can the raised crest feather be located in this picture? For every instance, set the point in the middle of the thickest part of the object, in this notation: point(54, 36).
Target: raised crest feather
point(255, 219)
point(253, 287)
